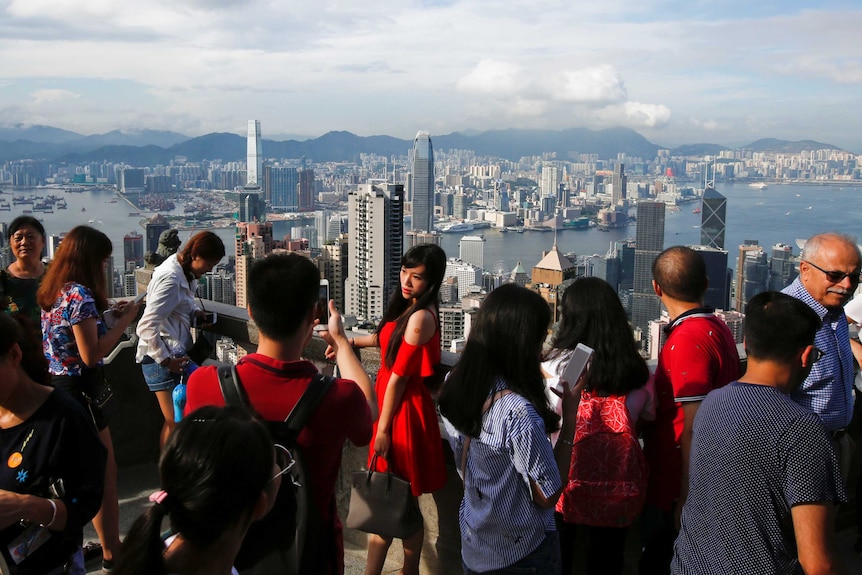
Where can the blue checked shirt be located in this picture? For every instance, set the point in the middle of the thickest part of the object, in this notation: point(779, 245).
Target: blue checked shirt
point(828, 389)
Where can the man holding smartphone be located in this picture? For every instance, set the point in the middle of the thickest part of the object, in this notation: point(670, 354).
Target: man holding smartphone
point(283, 294)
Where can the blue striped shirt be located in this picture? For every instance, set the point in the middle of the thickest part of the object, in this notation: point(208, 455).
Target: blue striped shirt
point(828, 389)
point(500, 524)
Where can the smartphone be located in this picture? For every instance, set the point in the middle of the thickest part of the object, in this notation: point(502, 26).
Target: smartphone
point(323, 306)
point(578, 363)
point(140, 297)
point(209, 318)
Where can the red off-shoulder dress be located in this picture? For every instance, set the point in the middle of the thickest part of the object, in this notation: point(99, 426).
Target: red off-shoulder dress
point(416, 450)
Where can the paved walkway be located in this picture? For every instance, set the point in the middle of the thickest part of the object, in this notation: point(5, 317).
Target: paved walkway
point(137, 483)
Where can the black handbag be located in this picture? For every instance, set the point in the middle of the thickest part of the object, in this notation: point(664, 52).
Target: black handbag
point(382, 503)
point(201, 350)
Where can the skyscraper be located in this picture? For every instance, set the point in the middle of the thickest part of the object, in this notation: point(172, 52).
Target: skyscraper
point(376, 224)
point(133, 250)
point(305, 195)
point(283, 183)
point(649, 244)
point(154, 228)
point(619, 183)
point(752, 273)
point(713, 219)
point(718, 292)
point(550, 181)
point(472, 250)
point(254, 156)
point(782, 268)
point(423, 183)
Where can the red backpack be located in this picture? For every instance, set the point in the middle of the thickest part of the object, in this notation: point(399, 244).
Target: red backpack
point(608, 472)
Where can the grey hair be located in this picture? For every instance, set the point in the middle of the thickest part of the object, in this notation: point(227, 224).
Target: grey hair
point(815, 243)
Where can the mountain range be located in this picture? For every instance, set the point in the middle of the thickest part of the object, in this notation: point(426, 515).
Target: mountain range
point(153, 147)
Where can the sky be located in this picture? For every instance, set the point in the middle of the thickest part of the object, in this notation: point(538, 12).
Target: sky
point(726, 72)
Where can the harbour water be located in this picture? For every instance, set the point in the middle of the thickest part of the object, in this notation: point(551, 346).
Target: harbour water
point(781, 213)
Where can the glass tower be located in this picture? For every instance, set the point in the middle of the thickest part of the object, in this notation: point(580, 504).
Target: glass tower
point(423, 183)
point(713, 219)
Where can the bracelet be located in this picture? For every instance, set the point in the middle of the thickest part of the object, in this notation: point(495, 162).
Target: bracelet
point(53, 514)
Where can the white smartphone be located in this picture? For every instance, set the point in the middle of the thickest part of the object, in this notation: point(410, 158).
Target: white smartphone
point(140, 297)
point(577, 365)
point(323, 306)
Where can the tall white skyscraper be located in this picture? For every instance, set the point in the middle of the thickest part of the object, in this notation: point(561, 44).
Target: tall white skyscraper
point(254, 159)
point(472, 250)
point(376, 232)
point(550, 181)
point(422, 184)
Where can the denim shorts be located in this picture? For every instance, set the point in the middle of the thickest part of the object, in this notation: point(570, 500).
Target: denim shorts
point(159, 378)
point(544, 560)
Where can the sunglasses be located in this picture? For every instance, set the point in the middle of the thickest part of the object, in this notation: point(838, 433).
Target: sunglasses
point(836, 277)
point(816, 354)
point(285, 462)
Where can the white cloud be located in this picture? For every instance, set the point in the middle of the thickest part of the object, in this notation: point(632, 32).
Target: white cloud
point(490, 77)
point(51, 96)
point(598, 85)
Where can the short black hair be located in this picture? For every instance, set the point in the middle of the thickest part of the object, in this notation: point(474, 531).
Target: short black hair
point(778, 326)
point(282, 289)
point(22, 221)
point(680, 272)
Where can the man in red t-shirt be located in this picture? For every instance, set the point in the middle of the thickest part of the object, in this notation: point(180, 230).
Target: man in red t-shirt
point(700, 355)
point(283, 294)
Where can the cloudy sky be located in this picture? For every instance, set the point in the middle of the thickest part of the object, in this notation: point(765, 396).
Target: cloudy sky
point(726, 72)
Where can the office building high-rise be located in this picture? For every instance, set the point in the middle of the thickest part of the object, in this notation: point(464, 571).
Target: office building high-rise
point(252, 206)
point(253, 241)
point(472, 250)
point(550, 182)
point(713, 219)
point(618, 184)
point(306, 190)
point(718, 291)
point(752, 273)
point(154, 228)
point(649, 240)
point(782, 268)
point(376, 224)
point(283, 188)
point(334, 267)
point(468, 275)
point(254, 156)
point(422, 184)
point(133, 250)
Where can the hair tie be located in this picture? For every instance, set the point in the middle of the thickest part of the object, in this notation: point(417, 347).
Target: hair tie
point(159, 497)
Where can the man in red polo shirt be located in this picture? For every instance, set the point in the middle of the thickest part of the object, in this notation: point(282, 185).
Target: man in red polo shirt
point(283, 294)
point(699, 356)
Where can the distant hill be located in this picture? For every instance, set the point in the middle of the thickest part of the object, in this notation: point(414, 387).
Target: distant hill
point(38, 134)
point(787, 147)
point(151, 147)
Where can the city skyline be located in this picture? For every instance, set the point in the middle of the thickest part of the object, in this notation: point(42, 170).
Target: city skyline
point(678, 73)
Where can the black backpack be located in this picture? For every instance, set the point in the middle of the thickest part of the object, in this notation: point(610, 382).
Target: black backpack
point(291, 539)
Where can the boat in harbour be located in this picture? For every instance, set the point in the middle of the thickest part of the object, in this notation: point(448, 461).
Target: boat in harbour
point(758, 185)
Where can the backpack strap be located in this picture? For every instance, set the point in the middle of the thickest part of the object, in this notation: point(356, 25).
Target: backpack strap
point(231, 387)
point(311, 398)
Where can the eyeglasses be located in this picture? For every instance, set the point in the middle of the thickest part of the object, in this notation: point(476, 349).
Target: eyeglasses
point(285, 462)
point(816, 354)
point(834, 276)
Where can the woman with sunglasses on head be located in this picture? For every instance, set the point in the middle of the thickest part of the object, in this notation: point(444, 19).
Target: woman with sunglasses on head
point(164, 330)
point(20, 281)
point(54, 465)
point(209, 495)
point(75, 340)
point(407, 436)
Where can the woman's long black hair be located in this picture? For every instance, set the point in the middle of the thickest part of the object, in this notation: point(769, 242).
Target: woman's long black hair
point(399, 309)
point(213, 469)
point(505, 342)
point(591, 313)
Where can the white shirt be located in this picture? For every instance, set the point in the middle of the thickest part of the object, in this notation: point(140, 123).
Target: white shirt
point(165, 328)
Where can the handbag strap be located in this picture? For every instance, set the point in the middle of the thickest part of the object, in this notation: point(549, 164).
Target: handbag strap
point(488, 402)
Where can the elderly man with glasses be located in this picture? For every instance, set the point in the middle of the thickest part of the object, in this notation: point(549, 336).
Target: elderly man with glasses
point(828, 276)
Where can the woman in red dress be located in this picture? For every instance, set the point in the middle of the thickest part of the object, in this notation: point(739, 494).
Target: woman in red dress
point(407, 434)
